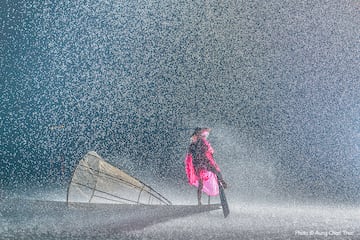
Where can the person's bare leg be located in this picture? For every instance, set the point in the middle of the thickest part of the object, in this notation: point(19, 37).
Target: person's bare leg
point(199, 192)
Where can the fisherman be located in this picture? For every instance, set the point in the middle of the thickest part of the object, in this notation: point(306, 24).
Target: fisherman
point(200, 165)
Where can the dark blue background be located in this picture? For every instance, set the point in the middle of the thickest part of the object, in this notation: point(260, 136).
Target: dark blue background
point(131, 79)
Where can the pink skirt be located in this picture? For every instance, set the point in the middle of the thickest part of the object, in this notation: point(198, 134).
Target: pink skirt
point(209, 179)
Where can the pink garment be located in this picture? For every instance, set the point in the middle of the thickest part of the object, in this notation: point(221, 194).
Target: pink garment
point(209, 154)
point(210, 183)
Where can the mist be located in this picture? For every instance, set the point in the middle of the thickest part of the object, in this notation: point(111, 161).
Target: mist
point(277, 83)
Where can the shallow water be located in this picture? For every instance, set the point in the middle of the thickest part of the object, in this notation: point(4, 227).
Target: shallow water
point(28, 219)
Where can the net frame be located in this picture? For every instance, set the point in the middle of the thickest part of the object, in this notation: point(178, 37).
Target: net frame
point(93, 178)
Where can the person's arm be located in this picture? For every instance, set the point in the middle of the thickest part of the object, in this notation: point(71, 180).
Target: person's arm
point(209, 155)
